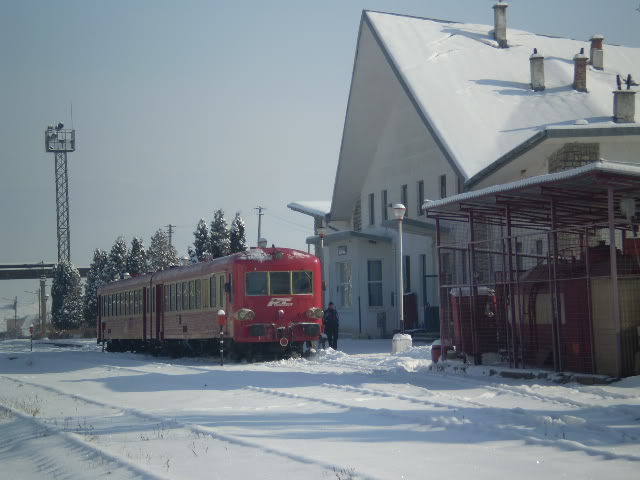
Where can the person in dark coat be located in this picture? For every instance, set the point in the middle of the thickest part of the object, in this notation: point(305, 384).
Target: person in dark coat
point(331, 325)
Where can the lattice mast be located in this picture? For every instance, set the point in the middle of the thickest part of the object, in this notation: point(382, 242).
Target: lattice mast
point(59, 141)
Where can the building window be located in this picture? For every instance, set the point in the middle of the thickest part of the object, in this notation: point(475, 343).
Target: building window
point(406, 274)
point(344, 284)
point(420, 197)
point(443, 186)
point(404, 198)
point(374, 279)
point(383, 205)
point(460, 185)
point(519, 264)
point(372, 213)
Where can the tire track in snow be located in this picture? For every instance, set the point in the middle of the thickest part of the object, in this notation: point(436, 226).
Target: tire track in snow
point(230, 439)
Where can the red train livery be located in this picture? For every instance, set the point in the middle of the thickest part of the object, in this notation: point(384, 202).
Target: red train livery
point(272, 298)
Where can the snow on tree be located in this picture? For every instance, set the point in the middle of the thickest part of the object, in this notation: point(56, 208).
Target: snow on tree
point(219, 242)
point(137, 263)
point(161, 254)
point(117, 265)
point(237, 240)
point(66, 295)
point(96, 277)
point(191, 253)
point(201, 242)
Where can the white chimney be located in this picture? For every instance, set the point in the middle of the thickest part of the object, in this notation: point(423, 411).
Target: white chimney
point(500, 23)
point(624, 103)
point(597, 53)
point(536, 61)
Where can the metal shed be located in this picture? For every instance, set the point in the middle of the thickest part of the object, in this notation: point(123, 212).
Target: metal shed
point(544, 272)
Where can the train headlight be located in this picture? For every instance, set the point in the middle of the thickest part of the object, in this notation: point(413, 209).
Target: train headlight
point(245, 314)
point(315, 312)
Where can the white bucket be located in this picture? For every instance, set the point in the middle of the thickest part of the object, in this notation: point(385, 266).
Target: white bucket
point(401, 343)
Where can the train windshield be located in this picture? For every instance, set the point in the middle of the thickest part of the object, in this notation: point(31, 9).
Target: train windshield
point(279, 283)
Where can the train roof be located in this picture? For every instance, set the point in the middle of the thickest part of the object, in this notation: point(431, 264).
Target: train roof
point(258, 255)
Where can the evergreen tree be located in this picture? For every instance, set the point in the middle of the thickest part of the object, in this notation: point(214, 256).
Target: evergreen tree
point(237, 240)
point(191, 253)
point(137, 263)
point(201, 242)
point(219, 243)
point(161, 254)
point(66, 295)
point(117, 264)
point(95, 278)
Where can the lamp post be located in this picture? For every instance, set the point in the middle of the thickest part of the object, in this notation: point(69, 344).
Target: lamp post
point(322, 231)
point(398, 213)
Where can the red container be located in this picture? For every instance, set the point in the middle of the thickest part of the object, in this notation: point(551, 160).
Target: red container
point(436, 350)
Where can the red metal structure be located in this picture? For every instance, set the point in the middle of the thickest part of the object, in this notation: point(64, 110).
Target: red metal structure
point(271, 297)
point(544, 272)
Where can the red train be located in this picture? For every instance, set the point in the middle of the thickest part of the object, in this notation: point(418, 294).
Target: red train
point(272, 298)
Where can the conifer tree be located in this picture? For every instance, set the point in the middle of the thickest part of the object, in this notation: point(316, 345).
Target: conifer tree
point(237, 240)
point(117, 264)
point(137, 263)
point(201, 242)
point(95, 278)
point(161, 253)
point(219, 243)
point(66, 297)
point(191, 253)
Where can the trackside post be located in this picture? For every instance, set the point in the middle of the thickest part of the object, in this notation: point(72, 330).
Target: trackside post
point(221, 321)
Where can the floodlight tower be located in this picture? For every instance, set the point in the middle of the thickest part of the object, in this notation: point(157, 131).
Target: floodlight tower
point(59, 141)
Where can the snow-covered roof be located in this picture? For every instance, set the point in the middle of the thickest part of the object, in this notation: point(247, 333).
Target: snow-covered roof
point(313, 208)
point(478, 98)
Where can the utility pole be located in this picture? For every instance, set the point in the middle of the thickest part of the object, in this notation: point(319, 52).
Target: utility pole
point(170, 227)
point(15, 317)
point(260, 209)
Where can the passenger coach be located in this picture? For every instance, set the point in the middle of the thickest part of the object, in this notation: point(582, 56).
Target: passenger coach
point(272, 299)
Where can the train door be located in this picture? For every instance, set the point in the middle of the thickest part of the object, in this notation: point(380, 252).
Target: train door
point(145, 304)
point(99, 319)
point(159, 313)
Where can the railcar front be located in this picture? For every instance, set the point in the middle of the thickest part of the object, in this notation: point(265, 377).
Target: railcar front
point(277, 304)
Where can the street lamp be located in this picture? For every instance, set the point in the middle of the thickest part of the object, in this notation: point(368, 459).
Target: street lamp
point(322, 231)
point(398, 213)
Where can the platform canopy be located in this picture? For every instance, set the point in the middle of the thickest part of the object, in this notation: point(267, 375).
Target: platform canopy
point(572, 198)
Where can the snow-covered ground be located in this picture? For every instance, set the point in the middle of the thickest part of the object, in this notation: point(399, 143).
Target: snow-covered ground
point(75, 412)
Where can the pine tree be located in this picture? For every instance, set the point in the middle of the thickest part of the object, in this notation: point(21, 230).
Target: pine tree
point(219, 243)
point(201, 242)
point(237, 240)
point(66, 294)
point(161, 254)
point(95, 278)
point(137, 263)
point(191, 253)
point(117, 265)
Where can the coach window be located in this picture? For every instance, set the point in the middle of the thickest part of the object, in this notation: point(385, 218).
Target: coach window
point(205, 293)
point(280, 283)
point(192, 295)
point(213, 293)
point(257, 283)
point(198, 284)
point(125, 310)
point(166, 298)
point(178, 287)
point(185, 295)
point(134, 295)
point(221, 301)
point(172, 298)
point(302, 282)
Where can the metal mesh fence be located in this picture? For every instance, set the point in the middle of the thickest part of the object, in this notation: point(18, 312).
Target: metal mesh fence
point(538, 299)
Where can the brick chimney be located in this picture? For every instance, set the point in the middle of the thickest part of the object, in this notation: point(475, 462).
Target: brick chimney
point(536, 62)
point(597, 53)
point(580, 71)
point(500, 24)
point(624, 103)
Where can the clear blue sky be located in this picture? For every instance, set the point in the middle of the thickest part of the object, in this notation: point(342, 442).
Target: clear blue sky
point(183, 107)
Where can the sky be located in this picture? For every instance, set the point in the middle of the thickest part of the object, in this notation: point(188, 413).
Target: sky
point(184, 107)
